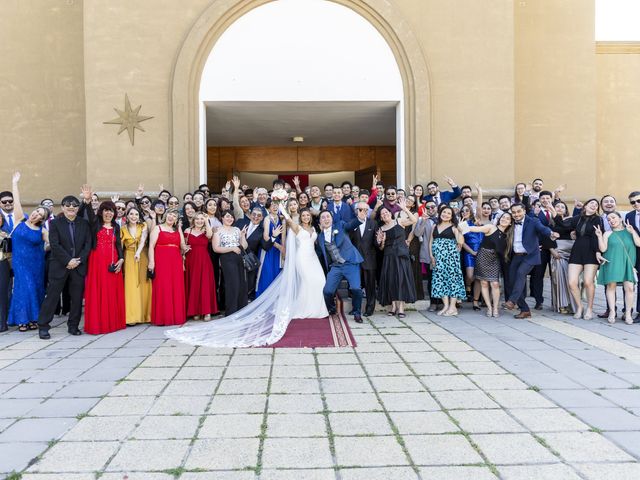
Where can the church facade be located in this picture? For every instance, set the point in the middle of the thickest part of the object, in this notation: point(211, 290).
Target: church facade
point(497, 92)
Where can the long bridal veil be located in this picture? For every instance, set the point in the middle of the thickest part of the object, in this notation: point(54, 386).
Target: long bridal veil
point(262, 322)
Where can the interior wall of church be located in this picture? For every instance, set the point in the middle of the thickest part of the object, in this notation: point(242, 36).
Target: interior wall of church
point(618, 138)
point(555, 85)
point(42, 97)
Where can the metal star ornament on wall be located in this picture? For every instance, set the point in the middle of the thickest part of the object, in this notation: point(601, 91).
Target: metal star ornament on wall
point(128, 119)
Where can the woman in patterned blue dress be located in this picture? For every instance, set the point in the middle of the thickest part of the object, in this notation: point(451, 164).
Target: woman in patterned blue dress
point(28, 241)
point(270, 260)
point(444, 247)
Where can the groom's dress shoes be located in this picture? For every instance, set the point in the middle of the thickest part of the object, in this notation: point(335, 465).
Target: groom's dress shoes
point(44, 334)
point(357, 318)
point(74, 331)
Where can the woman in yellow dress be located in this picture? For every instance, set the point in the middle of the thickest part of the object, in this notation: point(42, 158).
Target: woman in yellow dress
point(137, 287)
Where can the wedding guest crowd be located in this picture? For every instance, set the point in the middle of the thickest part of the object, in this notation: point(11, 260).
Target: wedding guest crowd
point(164, 260)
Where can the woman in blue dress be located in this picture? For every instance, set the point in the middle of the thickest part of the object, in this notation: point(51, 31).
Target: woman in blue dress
point(28, 241)
point(271, 260)
point(470, 247)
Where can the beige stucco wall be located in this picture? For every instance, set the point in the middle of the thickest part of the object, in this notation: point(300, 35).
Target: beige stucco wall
point(618, 123)
point(42, 97)
point(469, 50)
point(131, 48)
point(515, 90)
point(555, 91)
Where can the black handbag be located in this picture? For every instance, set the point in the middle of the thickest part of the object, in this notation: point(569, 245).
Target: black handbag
point(250, 260)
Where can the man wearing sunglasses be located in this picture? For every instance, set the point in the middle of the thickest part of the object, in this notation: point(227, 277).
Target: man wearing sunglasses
point(6, 206)
point(633, 219)
point(70, 240)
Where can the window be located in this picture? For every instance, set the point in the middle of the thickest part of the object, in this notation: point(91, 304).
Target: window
point(617, 20)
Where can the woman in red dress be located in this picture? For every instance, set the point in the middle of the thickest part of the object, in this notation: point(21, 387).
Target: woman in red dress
point(199, 277)
point(165, 261)
point(104, 309)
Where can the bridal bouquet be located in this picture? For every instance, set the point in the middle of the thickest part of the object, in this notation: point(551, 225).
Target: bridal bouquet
point(279, 195)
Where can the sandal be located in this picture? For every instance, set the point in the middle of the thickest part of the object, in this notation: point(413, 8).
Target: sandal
point(32, 326)
point(23, 328)
point(391, 314)
point(401, 315)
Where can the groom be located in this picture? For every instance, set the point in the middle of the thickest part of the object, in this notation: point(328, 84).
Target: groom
point(341, 258)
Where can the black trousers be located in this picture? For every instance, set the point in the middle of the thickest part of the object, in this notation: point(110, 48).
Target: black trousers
point(5, 291)
point(235, 282)
point(537, 275)
point(52, 297)
point(369, 283)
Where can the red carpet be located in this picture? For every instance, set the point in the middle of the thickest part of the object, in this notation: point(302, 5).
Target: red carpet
point(331, 331)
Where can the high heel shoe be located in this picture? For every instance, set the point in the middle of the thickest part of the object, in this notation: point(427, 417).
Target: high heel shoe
point(489, 313)
point(476, 307)
point(391, 314)
point(611, 319)
point(588, 315)
point(578, 315)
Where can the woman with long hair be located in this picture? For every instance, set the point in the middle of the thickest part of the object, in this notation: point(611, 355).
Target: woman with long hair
point(228, 242)
point(444, 247)
point(619, 251)
point(166, 246)
point(471, 245)
point(584, 254)
point(413, 241)
point(137, 286)
point(397, 284)
point(271, 260)
point(561, 299)
point(520, 196)
point(188, 212)
point(104, 307)
point(494, 249)
point(200, 285)
point(29, 241)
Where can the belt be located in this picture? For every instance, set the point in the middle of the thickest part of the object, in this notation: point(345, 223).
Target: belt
point(519, 254)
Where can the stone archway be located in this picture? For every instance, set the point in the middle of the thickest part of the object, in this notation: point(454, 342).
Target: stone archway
point(185, 85)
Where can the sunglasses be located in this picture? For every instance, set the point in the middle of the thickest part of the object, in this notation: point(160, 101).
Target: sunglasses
point(363, 209)
point(71, 205)
point(145, 202)
point(121, 208)
point(632, 202)
point(6, 202)
point(174, 203)
point(391, 194)
point(431, 206)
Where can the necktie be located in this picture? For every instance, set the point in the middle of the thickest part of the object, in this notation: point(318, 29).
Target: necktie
point(335, 208)
point(10, 221)
point(72, 233)
point(546, 214)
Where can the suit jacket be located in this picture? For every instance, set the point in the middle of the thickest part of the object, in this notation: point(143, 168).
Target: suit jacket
point(545, 242)
point(631, 218)
point(256, 241)
point(62, 248)
point(445, 197)
point(345, 213)
point(340, 235)
point(366, 244)
point(532, 233)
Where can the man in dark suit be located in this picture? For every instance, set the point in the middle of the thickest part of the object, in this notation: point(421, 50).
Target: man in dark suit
point(256, 243)
point(363, 238)
point(525, 255)
point(341, 259)
point(538, 272)
point(340, 209)
point(633, 219)
point(70, 239)
point(434, 193)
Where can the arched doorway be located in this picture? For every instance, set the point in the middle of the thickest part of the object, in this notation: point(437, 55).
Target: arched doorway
point(186, 138)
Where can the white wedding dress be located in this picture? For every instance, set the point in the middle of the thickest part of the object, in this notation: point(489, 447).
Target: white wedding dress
point(295, 293)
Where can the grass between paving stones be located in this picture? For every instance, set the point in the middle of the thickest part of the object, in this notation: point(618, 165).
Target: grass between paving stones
point(544, 443)
point(14, 476)
point(265, 415)
point(595, 430)
point(325, 411)
point(486, 460)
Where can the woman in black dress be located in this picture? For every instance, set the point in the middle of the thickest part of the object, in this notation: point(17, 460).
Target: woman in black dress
point(414, 247)
point(585, 255)
point(396, 278)
point(494, 249)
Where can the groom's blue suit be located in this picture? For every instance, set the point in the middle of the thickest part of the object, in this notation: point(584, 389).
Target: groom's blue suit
point(348, 269)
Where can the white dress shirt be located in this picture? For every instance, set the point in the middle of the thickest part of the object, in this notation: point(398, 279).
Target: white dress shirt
point(518, 246)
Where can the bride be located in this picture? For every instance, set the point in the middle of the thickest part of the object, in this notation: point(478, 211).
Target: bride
point(295, 293)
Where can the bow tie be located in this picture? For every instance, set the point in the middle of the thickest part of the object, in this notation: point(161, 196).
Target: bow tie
point(519, 223)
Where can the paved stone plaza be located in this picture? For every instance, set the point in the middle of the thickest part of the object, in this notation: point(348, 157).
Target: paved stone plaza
point(427, 397)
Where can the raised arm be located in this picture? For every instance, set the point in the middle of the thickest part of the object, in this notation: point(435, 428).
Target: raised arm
point(603, 239)
point(235, 198)
point(292, 225)
point(411, 218)
point(18, 212)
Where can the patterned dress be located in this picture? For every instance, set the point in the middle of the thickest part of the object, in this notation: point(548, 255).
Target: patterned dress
point(447, 274)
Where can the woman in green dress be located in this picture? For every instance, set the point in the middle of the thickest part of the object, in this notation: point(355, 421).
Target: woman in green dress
point(618, 259)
